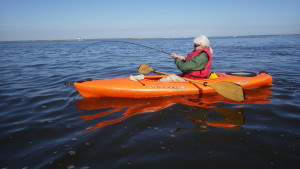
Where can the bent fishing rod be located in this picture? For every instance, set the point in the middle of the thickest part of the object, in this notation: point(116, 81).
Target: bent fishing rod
point(126, 43)
point(89, 79)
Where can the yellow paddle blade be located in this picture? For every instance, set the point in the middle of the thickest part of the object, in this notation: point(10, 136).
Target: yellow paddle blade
point(145, 69)
point(229, 90)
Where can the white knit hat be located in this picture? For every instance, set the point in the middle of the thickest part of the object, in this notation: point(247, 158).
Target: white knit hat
point(202, 40)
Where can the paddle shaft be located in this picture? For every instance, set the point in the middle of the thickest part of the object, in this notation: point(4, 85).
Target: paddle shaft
point(228, 90)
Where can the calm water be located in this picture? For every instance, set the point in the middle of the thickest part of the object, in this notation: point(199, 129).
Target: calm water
point(44, 124)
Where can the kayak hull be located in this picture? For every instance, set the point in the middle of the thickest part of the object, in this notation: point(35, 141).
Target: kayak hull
point(152, 87)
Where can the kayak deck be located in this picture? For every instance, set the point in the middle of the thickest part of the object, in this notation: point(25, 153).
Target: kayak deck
point(150, 86)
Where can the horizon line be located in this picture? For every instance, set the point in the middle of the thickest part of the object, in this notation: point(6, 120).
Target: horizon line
point(91, 39)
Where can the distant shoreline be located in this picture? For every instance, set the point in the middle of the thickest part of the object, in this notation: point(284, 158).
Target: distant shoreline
point(65, 40)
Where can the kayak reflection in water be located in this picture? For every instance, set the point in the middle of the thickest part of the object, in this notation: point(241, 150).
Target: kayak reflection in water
point(202, 107)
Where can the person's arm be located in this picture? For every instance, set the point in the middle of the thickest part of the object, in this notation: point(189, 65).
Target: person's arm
point(174, 56)
point(197, 63)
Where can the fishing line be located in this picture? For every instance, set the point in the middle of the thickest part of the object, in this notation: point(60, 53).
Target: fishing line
point(123, 42)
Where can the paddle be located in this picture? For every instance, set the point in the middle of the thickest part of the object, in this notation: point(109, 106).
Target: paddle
point(228, 90)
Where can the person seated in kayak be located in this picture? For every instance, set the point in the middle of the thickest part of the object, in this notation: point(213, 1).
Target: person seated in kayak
point(197, 64)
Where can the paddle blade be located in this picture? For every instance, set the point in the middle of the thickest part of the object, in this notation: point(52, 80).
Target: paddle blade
point(229, 90)
point(145, 69)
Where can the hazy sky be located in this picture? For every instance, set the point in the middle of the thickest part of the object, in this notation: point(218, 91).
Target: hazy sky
point(70, 19)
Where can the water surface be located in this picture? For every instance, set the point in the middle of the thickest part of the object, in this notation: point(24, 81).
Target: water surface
point(45, 124)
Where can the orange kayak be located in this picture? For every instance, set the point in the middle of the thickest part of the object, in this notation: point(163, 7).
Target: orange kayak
point(150, 86)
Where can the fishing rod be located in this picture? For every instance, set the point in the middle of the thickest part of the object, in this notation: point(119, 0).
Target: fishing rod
point(126, 43)
point(88, 79)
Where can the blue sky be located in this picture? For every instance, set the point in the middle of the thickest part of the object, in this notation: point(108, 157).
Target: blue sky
point(70, 19)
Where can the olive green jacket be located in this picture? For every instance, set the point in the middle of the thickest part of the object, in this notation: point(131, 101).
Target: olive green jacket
point(196, 63)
